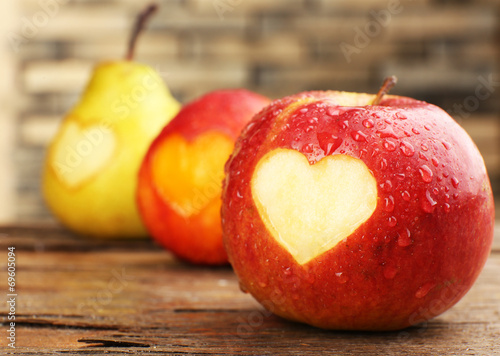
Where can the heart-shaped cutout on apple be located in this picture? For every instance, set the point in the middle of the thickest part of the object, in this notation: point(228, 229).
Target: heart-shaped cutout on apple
point(329, 221)
point(179, 182)
point(309, 209)
point(80, 153)
point(187, 175)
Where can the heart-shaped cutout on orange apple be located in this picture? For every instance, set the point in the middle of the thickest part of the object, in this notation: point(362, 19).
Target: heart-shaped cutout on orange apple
point(307, 208)
point(82, 152)
point(188, 175)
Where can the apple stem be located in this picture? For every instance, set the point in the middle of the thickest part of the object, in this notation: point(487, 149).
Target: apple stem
point(389, 82)
point(141, 20)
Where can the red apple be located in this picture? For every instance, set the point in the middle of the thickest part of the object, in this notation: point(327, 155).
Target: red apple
point(347, 215)
point(180, 178)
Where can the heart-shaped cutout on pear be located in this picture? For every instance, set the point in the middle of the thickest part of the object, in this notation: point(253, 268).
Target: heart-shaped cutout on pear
point(79, 153)
point(307, 208)
point(188, 175)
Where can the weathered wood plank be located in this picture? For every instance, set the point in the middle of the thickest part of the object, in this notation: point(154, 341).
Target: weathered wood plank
point(87, 296)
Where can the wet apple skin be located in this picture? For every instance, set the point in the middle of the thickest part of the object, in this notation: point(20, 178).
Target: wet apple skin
point(380, 277)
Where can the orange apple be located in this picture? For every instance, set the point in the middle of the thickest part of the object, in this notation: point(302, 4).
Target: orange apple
point(180, 178)
point(355, 212)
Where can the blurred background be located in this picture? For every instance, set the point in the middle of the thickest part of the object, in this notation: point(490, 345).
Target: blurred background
point(443, 51)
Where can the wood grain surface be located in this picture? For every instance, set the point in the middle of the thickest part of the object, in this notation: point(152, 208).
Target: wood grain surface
point(80, 296)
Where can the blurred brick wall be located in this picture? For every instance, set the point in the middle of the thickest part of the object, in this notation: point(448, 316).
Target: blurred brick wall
point(444, 52)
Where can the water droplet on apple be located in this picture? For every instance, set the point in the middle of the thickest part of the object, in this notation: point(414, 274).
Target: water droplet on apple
point(344, 124)
point(446, 145)
point(407, 149)
point(342, 278)
point(243, 288)
point(424, 147)
point(455, 196)
point(332, 111)
point(406, 196)
point(389, 145)
point(386, 186)
point(425, 173)
point(427, 127)
point(238, 194)
point(383, 164)
point(328, 142)
point(359, 136)
point(404, 238)
point(446, 207)
point(455, 182)
point(262, 284)
point(309, 148)
point(303, 110)
point(424, 290)
point(435, 191)
point(368, 123)
point(287, 271)
point(421, 155)
point(434, 161)
point(389, 203)
point(446, 196)
point(387, 132)
point(428, 203)
point(446, 174)
point(400, 116)
point(390, 272)
point(313, 120)
point(392, 221)
point(400, 176)
point(415, 131)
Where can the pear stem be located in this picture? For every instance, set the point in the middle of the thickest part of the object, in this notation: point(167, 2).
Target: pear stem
point(389, 82)
point(140, 22)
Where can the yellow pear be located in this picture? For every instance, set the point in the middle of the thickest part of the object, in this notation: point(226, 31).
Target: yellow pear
point(90, 171)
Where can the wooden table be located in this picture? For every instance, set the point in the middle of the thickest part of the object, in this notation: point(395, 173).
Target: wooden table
point(79, 296)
